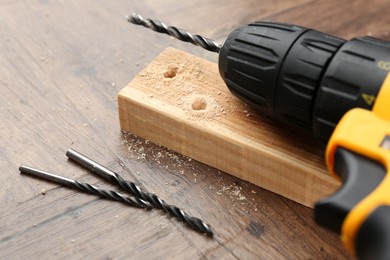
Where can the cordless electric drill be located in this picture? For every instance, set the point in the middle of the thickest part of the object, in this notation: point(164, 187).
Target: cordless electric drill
point(340, 90)
point(309, 79)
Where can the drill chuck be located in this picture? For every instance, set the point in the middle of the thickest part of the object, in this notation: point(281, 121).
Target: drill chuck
point(302, 76)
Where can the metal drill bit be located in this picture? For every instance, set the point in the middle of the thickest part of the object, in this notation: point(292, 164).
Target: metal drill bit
point(195, 223)
point(178, 33)
point(88, 188)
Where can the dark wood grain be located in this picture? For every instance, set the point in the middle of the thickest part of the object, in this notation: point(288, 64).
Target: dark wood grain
point(62, 64)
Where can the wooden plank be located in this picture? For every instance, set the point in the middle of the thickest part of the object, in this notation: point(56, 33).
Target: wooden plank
point(180, 101)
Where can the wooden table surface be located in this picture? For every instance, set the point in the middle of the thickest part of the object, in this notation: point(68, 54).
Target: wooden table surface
point(62, 64)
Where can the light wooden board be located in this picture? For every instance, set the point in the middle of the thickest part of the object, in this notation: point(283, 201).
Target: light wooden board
point(195, 114)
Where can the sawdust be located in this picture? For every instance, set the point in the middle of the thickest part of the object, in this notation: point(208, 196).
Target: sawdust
point(178, 164)
point(181, 83)
point(233, 191)
point(144, 150)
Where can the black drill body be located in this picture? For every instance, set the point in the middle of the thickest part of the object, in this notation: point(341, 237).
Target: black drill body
point(301, 76)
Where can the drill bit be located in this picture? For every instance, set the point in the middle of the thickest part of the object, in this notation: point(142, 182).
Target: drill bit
point(156, 202)
point(85, 187)
point(178, 33)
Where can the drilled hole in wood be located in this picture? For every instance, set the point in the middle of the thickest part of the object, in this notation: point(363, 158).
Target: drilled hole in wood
point(171, 72)
point(199, 104)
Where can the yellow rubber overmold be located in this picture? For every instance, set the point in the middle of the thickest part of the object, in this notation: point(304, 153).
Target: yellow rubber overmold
point(382, 103)
point(362, 131)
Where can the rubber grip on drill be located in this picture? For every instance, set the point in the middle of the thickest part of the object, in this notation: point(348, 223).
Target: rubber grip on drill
point(251, 58)
point(360, 176)
point(300, 76)
point(373, 238)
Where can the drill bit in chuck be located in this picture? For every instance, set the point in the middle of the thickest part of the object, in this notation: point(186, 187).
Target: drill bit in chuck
point(178, 33)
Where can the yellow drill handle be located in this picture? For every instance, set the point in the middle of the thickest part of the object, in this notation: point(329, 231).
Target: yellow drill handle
point(358, 153)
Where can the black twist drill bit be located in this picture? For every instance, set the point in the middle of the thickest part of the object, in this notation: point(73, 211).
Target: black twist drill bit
point(156, 202)
point(178, 33)
point(85, 187)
